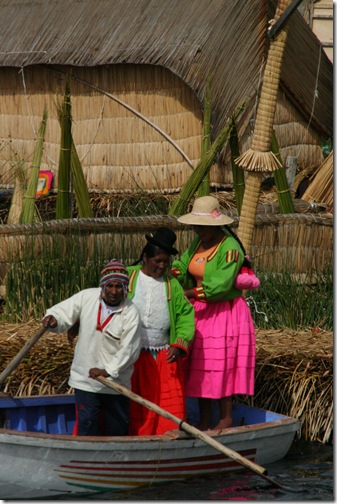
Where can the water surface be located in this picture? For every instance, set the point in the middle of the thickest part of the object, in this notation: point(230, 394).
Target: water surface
point(308, 469)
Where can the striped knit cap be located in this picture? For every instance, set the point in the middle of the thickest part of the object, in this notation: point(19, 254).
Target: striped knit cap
point(114, 270)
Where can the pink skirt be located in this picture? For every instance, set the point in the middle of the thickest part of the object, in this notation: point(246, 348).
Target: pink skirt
point(222, 359)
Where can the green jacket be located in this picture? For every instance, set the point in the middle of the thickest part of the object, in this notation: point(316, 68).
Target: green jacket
point(182, 325)
point(221, 269)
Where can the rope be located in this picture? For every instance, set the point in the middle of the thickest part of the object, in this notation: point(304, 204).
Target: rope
point(26, 97)
point(158, 463)
point(133, 111)
point(283, 191)
point(181, 423)
point(251, 299)
point(314, 99)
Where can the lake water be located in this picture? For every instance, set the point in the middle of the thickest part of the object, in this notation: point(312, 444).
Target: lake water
point(308, 468)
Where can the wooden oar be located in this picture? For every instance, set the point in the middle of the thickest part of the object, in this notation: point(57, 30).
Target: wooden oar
point(18, 358)
point(261, 471)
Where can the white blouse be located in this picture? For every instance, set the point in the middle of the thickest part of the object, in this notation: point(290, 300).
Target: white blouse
point(151, 300)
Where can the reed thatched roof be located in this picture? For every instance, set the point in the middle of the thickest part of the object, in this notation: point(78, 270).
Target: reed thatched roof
point(192, 40)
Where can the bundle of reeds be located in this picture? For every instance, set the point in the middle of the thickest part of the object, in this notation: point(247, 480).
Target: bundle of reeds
point(28, 210)
point(76, 174)
point(16, 203)
point(206, 140)
point(63, 199)
point(295, 377)
point(238, 172)
point(44, 370)
point(181, 203)
point(283, 189)
point(259, 158)
point(320, 189)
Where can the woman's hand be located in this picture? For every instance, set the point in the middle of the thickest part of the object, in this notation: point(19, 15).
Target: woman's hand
point(190, 294)
point(94, 372)
point(173, 354)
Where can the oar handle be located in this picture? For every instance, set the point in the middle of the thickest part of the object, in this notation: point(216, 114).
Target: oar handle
point(18, 358)
point(184, 425)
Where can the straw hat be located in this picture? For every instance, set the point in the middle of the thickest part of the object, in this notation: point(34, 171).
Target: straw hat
point(205, 212)
point(163, 238)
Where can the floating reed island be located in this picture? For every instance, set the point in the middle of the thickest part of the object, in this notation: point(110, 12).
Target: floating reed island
point(294, 372)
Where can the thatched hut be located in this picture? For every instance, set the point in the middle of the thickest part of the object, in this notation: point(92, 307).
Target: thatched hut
point(139, 69)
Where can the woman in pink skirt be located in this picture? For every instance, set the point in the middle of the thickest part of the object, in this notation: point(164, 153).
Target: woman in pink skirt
point(222, 359)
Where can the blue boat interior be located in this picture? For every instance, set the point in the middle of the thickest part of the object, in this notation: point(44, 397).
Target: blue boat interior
point(56, 414)
point(47, 414)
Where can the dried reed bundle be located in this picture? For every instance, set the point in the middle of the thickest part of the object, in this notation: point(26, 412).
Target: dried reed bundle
point(180, 204)
point(294, 372)
point(63, 200)
point(259, 158)
point(80, 187)
point(238, 173)
point(44, 370)
point(28, 211)
point(206, 140)
point(257, 161)
point(320, 189)
point(283, 190)
point(17, 199)
point(295, 377)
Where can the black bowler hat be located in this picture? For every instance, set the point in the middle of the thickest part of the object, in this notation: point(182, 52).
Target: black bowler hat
point(163, 238)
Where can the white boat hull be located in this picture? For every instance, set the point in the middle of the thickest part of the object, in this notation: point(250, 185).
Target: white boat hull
point(35, 465)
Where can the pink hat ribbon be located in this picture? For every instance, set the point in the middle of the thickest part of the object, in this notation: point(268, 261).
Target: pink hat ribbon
point(215, 214)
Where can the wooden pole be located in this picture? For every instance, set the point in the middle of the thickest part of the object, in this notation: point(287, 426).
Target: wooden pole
point(257, 469)
point(18, 358)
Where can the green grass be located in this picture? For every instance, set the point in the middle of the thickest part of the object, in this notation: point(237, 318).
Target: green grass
point(49, 270)
point(285, 300)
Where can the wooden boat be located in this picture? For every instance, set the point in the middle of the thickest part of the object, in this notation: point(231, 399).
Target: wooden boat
point(40, 458)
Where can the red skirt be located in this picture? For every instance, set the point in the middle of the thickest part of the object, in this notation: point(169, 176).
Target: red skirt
point(161, 383)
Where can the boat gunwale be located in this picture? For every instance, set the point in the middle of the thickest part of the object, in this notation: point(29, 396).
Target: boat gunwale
point(171, 436)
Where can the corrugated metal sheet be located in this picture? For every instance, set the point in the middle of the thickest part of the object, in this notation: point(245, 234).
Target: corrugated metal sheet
point(195, 39)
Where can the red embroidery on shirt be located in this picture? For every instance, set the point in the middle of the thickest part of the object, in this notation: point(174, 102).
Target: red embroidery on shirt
point(99, 326)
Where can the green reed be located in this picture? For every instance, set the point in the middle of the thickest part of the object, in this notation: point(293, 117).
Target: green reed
point(61, 267)
point(293, 301)
point(51, 268)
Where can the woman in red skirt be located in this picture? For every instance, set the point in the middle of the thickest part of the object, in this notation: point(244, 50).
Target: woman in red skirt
point(167, 330)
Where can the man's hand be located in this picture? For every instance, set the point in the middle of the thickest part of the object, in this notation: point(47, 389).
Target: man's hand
point(49, 321)
point(94, 372)
point(73, 332)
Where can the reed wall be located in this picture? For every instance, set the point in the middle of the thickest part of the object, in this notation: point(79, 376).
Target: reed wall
point(119, 151)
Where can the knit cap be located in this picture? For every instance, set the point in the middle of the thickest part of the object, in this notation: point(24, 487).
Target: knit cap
point(114, 270)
